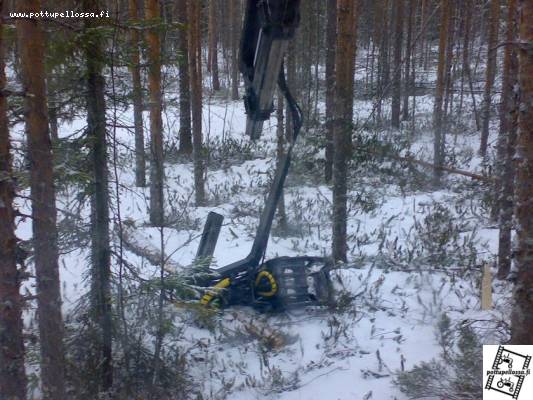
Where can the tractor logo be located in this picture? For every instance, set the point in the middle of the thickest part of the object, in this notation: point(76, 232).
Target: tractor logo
point(507, 377)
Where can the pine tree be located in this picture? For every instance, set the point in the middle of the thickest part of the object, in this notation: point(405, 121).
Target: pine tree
point(185, 135)
point(522, 318)
point(343, 115)
point(397, 79)
point(212, 60)
point(195, 72)
point(331, 34)
point(12, 374)
point(44, 213)
point(494, 20)
point(100, 245)
point(505, 187)
point(235, 15)
point(408, 80)
point(438, 144)
point(156, 122)
point(135, 69)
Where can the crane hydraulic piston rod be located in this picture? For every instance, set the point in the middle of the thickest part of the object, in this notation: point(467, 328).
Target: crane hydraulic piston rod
point(268, 26)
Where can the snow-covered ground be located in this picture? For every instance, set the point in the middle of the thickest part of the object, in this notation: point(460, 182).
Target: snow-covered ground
point(390, 306)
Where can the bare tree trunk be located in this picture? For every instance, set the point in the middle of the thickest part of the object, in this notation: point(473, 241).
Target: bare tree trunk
point(448, 99)
point(100, 247)
point(195, 72)
point(467, 11)
point(438, 145)
point(44, 213)
point(422, 43)
point(157, 174)
point(491, 73)
point(505, 187)
point(408, 52)
point(135, 69)
point(212, 60)
point(235, 14)
point(12, 374)
point(183, 65)
point(52, 114)
point(280, 133)
point(331, 31)
point(383, 60)
point(344, 70)
point(522, 318)
point(397, 83)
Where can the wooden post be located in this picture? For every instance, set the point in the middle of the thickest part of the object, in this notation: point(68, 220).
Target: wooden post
point(486, 288)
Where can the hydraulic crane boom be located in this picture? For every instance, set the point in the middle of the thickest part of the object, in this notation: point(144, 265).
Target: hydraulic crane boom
point(268, 27)
point(284, 281)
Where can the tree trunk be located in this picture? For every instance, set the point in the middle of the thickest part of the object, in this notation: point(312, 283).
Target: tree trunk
point(343, 115)
point(331, 31)
point(185, 95)
point(422, 43)
point(490, 73)
point(195, 72)
point(505, 187)
point(408, 51)
point(100, 247)
point(397, 84)
point(12, 374)
point(135, 69)
point(448, 99)
point(280, 150)
point(212, 58)
point(438, 145)
point(156, 123)
point(44, 213)
point(383, 60)
point(235, 15)
point(467, 8)
point(522, 319)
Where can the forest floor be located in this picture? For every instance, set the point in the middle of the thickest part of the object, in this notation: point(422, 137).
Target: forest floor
point(415, 254)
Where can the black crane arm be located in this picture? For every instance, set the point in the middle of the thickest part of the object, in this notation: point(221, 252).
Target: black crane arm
point(268, 26)
point(282, 281)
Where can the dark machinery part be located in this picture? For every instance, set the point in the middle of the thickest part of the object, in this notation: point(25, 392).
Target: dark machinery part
point(281, 282)
point(268, 27)
point(206, 248)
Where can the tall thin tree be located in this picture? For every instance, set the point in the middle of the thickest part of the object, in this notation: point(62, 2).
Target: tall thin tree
point(212, 60)
point(157, 174)
point(505, 187)
point(185, 136)
point(522, 317)
point(235, 15)
point(494, 20)
point(100, 246)
point(43, 202)
point(408, 81)
point(397, 79)
point(343, 116)
point(195, 72)
point(438, 143)
point(331, 32)
point(12, 374)
point(135, 69)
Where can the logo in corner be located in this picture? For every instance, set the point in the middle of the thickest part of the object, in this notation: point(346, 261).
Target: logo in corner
point(507, 372)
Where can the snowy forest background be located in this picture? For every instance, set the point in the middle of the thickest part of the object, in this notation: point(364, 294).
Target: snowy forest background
point(119, 134)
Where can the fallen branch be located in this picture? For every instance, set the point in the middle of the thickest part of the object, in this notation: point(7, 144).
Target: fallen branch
point(451, 170)
point(140, 245)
